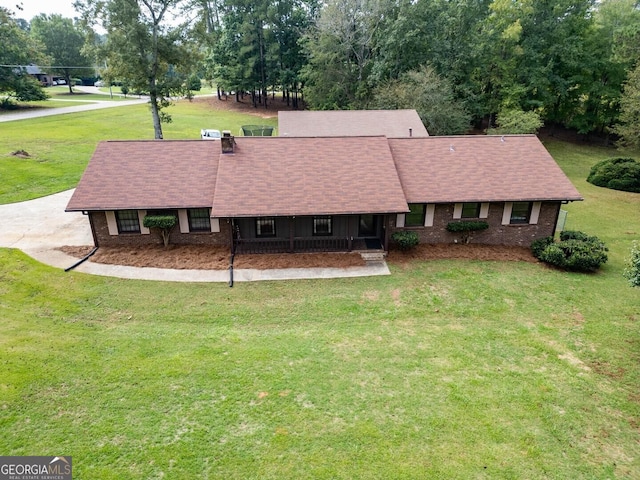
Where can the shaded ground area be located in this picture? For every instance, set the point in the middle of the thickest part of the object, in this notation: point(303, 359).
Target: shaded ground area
point(245, 105)
point(200, 257)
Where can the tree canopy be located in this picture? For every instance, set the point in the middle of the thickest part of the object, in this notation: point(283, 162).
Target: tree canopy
point(143, 48)
point(491, 63)
point(63, 41)
point(18, 50)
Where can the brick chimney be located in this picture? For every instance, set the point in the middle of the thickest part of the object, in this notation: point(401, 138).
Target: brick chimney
point(227, 142)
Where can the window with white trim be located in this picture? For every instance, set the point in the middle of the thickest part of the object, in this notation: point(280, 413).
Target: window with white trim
point(415, 217)
point(520, 213)
point(199, 220)
point(470, 210)
point(127, 221)
point(266, 227)
point(322, 225)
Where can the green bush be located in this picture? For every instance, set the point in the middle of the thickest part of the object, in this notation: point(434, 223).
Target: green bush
point(538, 246)
point(194, 83)
point(576, 251)
point(405, 239)
point(616, 174)
point(632, 271)
point(466, 227)
point(164, 223)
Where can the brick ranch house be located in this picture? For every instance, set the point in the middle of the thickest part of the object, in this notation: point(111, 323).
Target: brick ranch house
point(323, 193)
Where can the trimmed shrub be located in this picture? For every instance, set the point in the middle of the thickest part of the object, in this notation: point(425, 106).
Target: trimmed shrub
point(405, 239)
point(466, 227)
point(632, 271)
point(576, 251)
point(538, 246)
point(616, 174)
point(164, 223)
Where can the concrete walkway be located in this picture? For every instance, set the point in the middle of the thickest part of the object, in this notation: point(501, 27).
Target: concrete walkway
point(39, 227)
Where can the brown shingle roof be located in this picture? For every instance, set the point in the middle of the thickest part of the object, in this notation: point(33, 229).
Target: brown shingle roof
point(307, 176)
point(275, 176)
point(148, 174)
point(345, 123)
point(479, 169)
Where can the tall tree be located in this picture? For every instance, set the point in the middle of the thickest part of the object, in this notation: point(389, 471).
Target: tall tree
point(628, 127)
point(143, 48)
point(553, 44)
point(341, 51)
point(63, 41)
point(430, 95)
point(18, 50)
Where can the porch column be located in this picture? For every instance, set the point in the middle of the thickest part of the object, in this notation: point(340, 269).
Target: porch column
point(385, 226)
point(291, 232)
point(349, 234)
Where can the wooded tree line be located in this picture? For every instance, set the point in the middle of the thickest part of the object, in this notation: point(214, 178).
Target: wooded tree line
point(504, 64)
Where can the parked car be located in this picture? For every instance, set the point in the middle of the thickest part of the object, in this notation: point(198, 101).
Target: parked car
point(210, 134)
point(99, 83)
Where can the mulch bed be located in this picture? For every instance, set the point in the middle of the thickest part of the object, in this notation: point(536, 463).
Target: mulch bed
point(201, 257)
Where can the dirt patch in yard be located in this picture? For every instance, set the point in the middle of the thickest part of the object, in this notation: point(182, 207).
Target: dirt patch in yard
point(201, 257)
point(245, 105)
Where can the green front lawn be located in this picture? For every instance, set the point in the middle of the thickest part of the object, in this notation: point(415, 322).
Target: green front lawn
point(445, 369)
point(61, 146)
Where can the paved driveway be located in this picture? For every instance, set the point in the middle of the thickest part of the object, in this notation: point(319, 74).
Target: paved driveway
point(38, 227)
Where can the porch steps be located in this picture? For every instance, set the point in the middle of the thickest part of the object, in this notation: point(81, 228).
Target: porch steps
point(372, 258)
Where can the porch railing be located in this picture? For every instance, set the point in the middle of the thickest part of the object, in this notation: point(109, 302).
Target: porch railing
point(297, 244)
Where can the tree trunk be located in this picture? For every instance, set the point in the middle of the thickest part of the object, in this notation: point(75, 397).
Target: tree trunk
point(155, 113)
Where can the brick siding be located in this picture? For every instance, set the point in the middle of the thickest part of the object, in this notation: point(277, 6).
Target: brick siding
point(496, 234)
point(104, 239)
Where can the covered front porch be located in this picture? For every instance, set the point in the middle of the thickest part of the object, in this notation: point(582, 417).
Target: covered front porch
point(305, 234)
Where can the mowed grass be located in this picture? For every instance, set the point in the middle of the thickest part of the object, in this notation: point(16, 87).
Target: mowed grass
point(61, 146)
point(445, 369)
point(442, 370)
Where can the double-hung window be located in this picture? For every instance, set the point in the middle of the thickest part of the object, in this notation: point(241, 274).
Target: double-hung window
point(520, 212)
point(128, 221)
point(199, 220)
point(415, 217)
point(471, 210)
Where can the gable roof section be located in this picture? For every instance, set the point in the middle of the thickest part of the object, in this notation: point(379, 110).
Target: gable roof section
point(147, 175)
point(478, 168)
point(278, 176)
point(345, 123)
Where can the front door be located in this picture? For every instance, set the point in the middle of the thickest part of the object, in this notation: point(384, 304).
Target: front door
point(369, 226)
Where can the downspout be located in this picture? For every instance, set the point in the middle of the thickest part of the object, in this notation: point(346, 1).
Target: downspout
point(95, 242)
point(84, 259)
point(231, 270)
point(233, 252)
